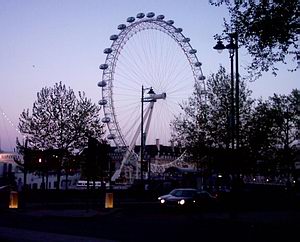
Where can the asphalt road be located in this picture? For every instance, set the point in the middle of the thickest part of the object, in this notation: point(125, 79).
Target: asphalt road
point(259, 215)
point(148, 222)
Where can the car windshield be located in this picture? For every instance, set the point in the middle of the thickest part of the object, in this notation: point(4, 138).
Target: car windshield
point(182, 193)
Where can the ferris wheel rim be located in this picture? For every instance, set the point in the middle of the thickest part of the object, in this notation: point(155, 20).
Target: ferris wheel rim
point(113, 52)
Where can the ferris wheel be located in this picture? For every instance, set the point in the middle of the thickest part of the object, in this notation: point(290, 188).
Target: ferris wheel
point(149, 71)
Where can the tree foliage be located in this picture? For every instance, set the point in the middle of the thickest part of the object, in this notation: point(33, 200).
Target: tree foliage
point(57, 130)
point(60, 120)
point(269, 30)
point(273, 129)
point(205, 125)
point(269, 130)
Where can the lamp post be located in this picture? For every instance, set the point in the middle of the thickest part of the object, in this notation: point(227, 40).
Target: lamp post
point(235, 103)
point(142, 133)
point(41, 161)
point(143, 138)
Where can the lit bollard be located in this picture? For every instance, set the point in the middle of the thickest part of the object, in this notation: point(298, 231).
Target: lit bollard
point(109, 200)
point(13, 199)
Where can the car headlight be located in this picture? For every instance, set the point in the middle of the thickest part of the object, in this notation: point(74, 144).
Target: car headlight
point(181, 202)
point(162, 200)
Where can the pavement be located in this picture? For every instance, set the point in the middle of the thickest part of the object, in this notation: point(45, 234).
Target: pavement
point(69, 213)
point(25, 235)
point(9, 234)
point(278, 216)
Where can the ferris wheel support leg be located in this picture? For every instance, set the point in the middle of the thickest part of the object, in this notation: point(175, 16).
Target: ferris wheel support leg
point(116, 175)
point(148, 120)
point(130, 148)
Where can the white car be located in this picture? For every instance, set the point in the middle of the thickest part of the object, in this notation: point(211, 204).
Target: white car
point(186, 197)
point(179, 196)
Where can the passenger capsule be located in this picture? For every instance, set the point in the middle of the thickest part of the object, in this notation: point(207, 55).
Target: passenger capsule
point(103, 66)
point(150, 15)
point(193, 51)
point(140, 15)
point(114, 37)
point(106, 119)
point(170, 22)
point(102, 83)
point(111, 136)
point(107, 51)
point(197, 64)
point(201, 78)
point(178, 30)
point(160, 17)
point(121, 26)
point(130, 19)
point(102, 102)
point(186, 40)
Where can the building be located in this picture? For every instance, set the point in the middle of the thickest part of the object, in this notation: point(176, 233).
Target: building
point(11, 174)
point(155, 155)
point(8, 167)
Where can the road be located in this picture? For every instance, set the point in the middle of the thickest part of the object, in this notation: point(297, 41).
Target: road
point(148, 222)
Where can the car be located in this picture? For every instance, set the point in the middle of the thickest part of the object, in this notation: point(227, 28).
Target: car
point(178, 196)
point(186, 197)
point(205, 200)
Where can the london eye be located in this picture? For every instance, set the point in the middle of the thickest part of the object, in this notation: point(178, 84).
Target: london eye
point(150, 66)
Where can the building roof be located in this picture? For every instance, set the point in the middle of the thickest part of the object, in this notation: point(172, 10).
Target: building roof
point(180, 170)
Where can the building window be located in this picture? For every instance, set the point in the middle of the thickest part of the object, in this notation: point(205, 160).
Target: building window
point(9, 168)
point(4, 169)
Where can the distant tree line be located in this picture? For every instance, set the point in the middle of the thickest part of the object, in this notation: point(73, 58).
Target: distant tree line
point(268, 131)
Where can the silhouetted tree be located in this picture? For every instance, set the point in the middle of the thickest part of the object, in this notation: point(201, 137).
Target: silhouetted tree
point(287, 112)
point(28, 164)
point(261, 135)
point(60, 121)
point(274, 128)
point(205, 125)
point(269, 30)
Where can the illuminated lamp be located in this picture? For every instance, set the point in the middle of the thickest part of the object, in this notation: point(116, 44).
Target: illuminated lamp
point(109, 200)
point(13, 199)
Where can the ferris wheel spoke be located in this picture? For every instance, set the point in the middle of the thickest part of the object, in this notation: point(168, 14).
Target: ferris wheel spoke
point(130, 65)
point(147, 53)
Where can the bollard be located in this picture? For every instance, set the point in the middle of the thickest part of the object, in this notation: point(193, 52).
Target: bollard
point(13, 199)
point(109, 200)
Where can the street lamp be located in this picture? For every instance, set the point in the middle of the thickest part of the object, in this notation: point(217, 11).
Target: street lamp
point(41, 161)
point(234, 110)
point(151, 92)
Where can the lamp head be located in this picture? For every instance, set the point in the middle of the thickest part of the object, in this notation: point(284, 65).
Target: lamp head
point(151, 91)
point(219, 46)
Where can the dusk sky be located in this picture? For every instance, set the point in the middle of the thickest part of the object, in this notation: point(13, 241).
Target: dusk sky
point(45, 42)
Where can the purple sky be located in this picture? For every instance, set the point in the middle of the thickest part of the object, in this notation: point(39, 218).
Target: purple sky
point(44, 42)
